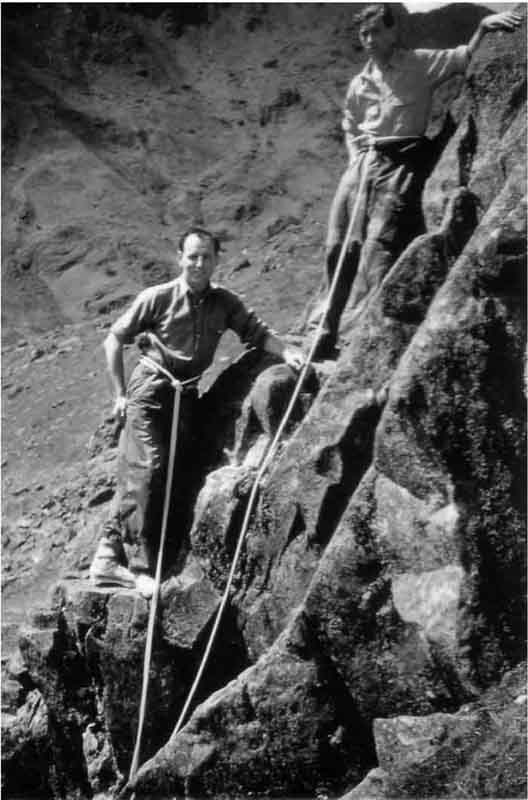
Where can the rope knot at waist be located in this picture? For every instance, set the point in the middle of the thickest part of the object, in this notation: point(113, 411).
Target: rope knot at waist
point(158, 357)
point(186, 386)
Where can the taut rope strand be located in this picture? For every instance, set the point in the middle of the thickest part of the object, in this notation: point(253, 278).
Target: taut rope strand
point(157, 580)
point(177, 386)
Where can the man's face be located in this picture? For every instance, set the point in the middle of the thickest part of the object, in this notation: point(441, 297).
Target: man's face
point(377, 39)
point(198, 261)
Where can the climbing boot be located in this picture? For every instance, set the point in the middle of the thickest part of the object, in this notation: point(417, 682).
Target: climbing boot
point(106, 570)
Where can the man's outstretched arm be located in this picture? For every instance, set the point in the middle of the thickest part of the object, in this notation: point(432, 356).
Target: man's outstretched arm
point(506, 21)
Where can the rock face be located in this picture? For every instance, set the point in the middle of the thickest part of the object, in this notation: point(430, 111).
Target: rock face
point(453, 755)
point(389, 541)
point(26, 754)
point(381, 585)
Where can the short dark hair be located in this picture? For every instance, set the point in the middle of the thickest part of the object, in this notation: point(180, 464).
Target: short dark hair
point(202, 233)
point(375, 12)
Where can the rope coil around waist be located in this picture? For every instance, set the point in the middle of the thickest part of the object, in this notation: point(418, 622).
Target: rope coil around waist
point(190, 384)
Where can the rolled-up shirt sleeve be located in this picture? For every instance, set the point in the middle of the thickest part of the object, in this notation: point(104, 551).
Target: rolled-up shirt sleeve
point(443, 64)
point(245, 323)
point(137, 318)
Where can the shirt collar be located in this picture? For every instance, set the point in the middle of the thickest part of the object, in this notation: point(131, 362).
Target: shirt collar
point(395, 61)
point(186, 289)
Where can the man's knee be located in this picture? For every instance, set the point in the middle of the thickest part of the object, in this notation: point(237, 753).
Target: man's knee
point(338, 217)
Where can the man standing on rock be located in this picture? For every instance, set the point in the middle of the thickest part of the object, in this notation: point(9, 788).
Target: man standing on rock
point(386, 113)
point(180, 324)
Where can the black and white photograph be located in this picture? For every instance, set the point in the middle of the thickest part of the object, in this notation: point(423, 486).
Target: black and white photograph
point(264, 381)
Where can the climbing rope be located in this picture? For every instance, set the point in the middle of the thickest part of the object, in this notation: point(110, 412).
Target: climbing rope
point(265, 461)
point(177, 386)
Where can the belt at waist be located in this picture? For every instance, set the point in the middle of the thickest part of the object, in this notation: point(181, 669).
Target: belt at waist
point(413, 153)
point(366, 140)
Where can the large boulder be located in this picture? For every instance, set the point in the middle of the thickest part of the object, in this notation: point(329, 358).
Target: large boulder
point(82, 658)
point(266, 707)
point(479, 751)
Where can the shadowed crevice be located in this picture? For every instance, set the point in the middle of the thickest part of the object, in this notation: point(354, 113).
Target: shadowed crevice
point(354, 452)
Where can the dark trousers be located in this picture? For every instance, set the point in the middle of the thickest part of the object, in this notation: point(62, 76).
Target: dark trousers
point(137, 508)
point(389, 217)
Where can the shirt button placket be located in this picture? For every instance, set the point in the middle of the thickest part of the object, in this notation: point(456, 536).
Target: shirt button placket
point(197, 325)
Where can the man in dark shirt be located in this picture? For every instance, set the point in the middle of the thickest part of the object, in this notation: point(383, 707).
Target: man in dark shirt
point(181, 323)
